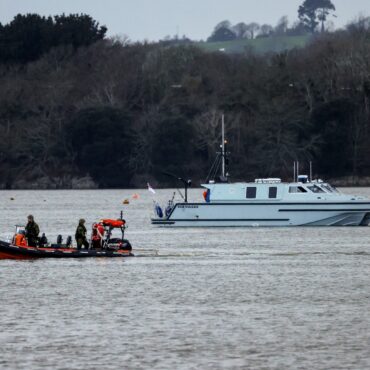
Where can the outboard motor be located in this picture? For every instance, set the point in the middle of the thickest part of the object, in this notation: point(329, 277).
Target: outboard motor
point(169, 208)
point(158, 210)
point(126, 245)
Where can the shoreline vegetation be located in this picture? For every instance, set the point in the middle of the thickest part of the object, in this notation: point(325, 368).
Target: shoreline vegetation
point(79, 110)
point(87, 183)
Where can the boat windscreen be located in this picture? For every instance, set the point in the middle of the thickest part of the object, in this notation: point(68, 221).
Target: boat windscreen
point(297, 189)
point(332, 188)
point(316, 189)
point(327, 188)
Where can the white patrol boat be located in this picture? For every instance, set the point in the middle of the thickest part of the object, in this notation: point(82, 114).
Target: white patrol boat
point(265, 202)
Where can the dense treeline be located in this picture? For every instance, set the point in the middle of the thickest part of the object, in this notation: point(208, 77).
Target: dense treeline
point(120, 113)
point(26, 38)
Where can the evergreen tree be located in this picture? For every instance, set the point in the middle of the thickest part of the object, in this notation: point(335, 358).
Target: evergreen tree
point(27, 37)
point(222, 34)
point(312, 12)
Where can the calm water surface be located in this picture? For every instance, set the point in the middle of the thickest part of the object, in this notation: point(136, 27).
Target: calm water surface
point(256, 298)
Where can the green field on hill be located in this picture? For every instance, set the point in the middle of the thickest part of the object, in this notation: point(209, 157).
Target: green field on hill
point(260, 45)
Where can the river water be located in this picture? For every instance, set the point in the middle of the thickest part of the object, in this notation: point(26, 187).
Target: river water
point(258, 298)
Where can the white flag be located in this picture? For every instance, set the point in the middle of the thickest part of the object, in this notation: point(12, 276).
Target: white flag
point(150, 188)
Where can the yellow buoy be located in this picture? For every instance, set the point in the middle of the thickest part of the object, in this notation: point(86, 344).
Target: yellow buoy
point(126, 201)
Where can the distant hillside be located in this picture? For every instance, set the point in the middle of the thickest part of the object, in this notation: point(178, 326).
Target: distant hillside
point(260, 45)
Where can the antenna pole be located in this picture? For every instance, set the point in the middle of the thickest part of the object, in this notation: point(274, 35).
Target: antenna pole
point(310, 171)
point(223, 145)
point(297, 170)
point(294, 172)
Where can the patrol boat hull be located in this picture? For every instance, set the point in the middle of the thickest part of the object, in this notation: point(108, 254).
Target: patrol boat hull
point(9, 251)
point(267, 214)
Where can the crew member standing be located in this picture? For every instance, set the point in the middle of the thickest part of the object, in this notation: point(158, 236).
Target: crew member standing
point(97, 236)
point(32, 232)
point(80, 235)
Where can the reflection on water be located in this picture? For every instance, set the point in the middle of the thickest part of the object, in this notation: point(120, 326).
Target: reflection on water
point(196, 298)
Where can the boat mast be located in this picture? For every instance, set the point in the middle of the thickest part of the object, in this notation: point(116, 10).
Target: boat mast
point(297, 171)
point(223, 145)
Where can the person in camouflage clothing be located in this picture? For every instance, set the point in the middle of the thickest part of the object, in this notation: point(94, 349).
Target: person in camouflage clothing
point(32, 232)
point(80, 235)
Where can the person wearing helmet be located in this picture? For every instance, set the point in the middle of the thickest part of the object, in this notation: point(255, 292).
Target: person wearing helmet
point(80, 235)
point(32, 232)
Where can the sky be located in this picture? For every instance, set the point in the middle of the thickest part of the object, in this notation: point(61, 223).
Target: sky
point(154, 19)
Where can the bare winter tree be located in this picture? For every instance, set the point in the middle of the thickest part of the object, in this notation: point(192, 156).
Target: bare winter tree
point(282, 25)
point(240, 30)
point(266, 30)
point(252, 29)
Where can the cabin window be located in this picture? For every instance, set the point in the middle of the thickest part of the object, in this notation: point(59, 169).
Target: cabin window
point(273, 192)
point(316, 189)
point(330, 188)
point(251, 192)
point(335, 190)
point(326, 187)
point(297, 189)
